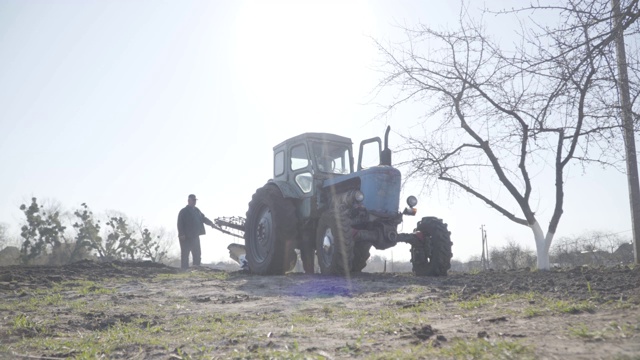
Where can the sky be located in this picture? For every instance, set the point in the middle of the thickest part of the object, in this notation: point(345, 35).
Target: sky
point(130, 106)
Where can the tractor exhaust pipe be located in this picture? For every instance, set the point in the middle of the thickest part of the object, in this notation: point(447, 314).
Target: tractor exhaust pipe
point(385, 155)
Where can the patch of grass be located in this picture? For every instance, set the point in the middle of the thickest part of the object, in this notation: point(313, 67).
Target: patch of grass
point(626, 357)
point(627, 330)
point(52, 299)
point(383, 320)
point(424, 306)
point(621, 303)
point(18, 305)
point(21, 322)
point(478, 302)
point(353, 349)
point(83, 287)
point(485, 300)
point(291, 353)
point(611, 331)
point(35, 303)
point(546, 306)
point(420, 306)
point(414, 289)
point(77, 305)
point(567, 307)
point(409, 289)
point(99, 344)
point(582, 331)
point(24, 324)
point(484, 349)
point(213, 326)
point(91, 288)
point(476, 349)
point(357, 318)
point(408, 353)
point(304, 319)
point(200, 275)
point(530, 312)
point(528, 296)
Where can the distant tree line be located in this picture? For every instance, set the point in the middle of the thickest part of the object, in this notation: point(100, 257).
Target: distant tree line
point(52, 236)
point(593, 248)
point(597, 248)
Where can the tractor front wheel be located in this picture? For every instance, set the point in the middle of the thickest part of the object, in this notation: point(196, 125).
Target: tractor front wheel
point(361, 254)
point(334, 243)
point(431, 255)
point(270, 232)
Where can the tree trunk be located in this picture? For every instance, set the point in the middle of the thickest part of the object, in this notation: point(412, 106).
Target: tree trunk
point(627, 125)
point(543, 244)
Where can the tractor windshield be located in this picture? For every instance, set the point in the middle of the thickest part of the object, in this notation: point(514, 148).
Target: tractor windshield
point(333, 158)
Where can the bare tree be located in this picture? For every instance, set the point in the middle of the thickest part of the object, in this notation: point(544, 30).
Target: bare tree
point(153, 244)
point(4, 237)
point(607, 24)
point(512, 256)
point(503, 114)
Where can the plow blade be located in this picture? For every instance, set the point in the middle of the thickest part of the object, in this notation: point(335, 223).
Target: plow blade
point(237, 252)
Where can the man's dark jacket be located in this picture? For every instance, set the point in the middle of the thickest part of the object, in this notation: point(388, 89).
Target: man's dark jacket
point(191, 222)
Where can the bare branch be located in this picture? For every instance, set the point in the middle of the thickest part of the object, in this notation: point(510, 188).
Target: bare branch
point(488, 201)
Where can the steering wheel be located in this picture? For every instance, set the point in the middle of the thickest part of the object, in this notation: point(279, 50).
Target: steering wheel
point(326, 163)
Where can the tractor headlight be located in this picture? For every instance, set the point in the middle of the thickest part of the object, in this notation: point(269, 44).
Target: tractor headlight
point(412, 201)
point(358, 196)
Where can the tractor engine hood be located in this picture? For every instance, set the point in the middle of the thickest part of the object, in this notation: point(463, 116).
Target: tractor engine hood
point(379, 184)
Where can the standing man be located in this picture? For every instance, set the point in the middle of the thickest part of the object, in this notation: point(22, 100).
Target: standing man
point(190, 226)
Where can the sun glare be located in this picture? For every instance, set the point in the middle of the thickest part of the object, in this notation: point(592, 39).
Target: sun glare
point(292, 56)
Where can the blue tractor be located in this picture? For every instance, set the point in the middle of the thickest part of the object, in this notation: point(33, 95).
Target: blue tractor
point(318, 204)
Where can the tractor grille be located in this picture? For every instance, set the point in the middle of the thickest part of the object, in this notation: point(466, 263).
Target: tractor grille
point(381, 188)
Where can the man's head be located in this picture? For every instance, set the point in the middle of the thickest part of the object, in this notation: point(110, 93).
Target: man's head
point(192, 200)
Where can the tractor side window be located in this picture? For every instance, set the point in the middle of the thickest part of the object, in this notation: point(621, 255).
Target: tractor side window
point(370, 155)
point(299, 157)
point(278, 163)
point(305, 181)
point(342, 162)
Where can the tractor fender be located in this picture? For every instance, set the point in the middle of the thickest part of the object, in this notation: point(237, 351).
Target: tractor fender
point(287, 190)
point(303, 209)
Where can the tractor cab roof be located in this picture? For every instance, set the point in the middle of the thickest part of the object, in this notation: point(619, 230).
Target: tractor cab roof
point(316, 137)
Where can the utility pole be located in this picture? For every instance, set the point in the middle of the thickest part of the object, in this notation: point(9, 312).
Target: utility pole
point(485, 249)
point(627, 124)
point(486, 245)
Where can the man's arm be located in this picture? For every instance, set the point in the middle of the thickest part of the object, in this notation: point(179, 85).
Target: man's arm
point(181, 224)
point(207, 221)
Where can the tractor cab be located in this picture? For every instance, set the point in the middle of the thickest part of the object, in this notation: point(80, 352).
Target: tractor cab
point(307, 158)
point(302, 159)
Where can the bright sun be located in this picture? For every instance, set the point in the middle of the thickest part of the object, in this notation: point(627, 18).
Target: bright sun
point(292, 56)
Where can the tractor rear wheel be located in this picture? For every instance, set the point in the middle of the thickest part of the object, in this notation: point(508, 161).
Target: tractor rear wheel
point(431, 255)
point(360, 256)
point(270, 232)
point(334, 243)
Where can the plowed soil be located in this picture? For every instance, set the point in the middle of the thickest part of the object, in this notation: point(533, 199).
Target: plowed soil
point(145, 310)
